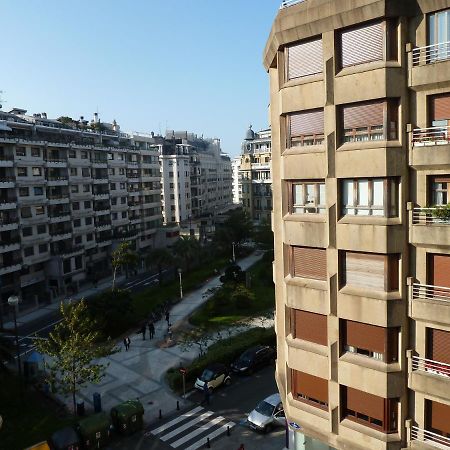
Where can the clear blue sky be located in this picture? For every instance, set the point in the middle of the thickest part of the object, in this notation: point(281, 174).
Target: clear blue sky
point(149, 64)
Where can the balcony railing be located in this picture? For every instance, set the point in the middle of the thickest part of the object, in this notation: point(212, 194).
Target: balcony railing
point(429, 292)
point(434, 439)
point(431, 136)
point(431, 54)
point(424, 216)
point(430, 366)
point(287, 3)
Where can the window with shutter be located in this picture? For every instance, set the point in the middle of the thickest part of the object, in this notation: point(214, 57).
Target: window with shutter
point(309, 262)
point(439, 273)
point(309, 326)
point(309, 389)
point(305, 128)
point(370, 410)
point(304, 59)
point(438, 350)
point(371, 271)
point(437, 419)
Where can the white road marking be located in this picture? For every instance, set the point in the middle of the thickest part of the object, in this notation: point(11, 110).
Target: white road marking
point(184, 427)
point(176, 420)
point(215, 433)
point(198, 431)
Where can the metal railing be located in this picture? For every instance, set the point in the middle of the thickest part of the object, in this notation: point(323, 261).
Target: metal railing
point(431, 54)
point(429, 292)
point(434, 439)
point(430, 366)
point(431, 136)
point(287, 3)
point(424, 216)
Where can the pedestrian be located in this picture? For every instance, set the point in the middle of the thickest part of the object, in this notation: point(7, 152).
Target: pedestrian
point(151, 330)
point(206, 393)
point(169, 331)
point(167, 317)
point(126, 342)
point(143, 330)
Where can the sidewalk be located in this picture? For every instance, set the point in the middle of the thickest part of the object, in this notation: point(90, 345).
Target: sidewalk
point(139, 373)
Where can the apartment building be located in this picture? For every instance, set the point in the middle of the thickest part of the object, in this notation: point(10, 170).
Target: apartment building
point(196, 177)
point(237, 183)
point(360, 110)
point(255, 175)
point(70, 191)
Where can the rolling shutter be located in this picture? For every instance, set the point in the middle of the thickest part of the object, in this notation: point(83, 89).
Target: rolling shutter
point(364, 115)
point(440, 267)
point(363, 44)
point(365, 336)
point(305, 59)
point(365, 270)
point(364, 403)
point(306, 123)
point(440, 107)
point(438, 416)
point(310, 327)
point(310, 386)
point(309, 262)
point(439, 345)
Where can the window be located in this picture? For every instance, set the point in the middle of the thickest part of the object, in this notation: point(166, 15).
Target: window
point(438, 351)
point(303, 59)
point(36, 152)
point(439, 33)
point(123, 186)
point(37, 171)
point(41, 229)
point(370, 410)
point(27, 231)
point(309, 262)
point(88, 220)
point(20, 151)
point(78, 240)
point(123, 200)
point(28, 251)
point(111, 171)
point(22, 172)
point(439, 190)
point(309, 326)
point(120, 157)
point(309, 389)
point(87, 204)
point(112, 186)
point(436, 421)
point(86, 188)
point(124, 214)
point(39, 210)
point(43, 248)
point(25, 212)
point(114, 216)
point(307, 197)
point(85, 172)
point(72, 154)
point(89, 237)
point(74, 188)
point(110, 156)
point(73, 171)
point(370, 121)
point(305, 128)
point(370, 340)
point(370, 197)
point(121, 171)
point(77, 223)
point(38, 190)
point(367, 43)
point(75, 206)
point(24, 192)
point(371, 271)
point(84, 155)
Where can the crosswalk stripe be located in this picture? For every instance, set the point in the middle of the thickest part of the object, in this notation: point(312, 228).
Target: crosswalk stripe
point(176, 420)
point(184, 427)
point(215, 433)
point(196, 432)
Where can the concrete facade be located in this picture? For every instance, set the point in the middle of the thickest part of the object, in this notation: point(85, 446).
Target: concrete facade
point(411, 234)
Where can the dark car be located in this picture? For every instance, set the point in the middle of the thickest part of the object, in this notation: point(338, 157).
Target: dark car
point(254, 358)
point(215, 375)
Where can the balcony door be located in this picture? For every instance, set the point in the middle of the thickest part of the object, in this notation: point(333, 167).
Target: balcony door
point(439, 35)
point(439, 271)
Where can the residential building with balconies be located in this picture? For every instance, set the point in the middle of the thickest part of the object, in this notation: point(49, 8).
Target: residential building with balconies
point(360, 111)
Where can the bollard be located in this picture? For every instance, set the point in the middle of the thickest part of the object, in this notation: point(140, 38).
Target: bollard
point(178, 405)
point(228, 431)
point(208, 445)
point(160, 414)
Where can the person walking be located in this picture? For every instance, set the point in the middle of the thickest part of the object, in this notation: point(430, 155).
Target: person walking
point(206, 393)
point(151, 330)
point(126, 343)
point(167, 317)
point(143, 330)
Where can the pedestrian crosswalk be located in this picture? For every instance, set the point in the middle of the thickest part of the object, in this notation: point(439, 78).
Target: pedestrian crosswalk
point(191, 429)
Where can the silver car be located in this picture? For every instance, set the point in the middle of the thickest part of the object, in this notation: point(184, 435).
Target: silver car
point(268, 414)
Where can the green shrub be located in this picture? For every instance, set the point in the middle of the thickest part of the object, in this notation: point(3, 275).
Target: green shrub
point(442, 212)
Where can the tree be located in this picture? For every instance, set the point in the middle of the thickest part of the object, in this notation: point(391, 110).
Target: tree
point(199, 338)
point(236, 228)
point(242, 297)
point(263, 235)
point(160, 258)
point(120, 257)
point(186, 249)
point(6, 352)
point(72, 346)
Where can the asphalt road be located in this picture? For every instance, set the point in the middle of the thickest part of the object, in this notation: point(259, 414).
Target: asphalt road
point(231, 403)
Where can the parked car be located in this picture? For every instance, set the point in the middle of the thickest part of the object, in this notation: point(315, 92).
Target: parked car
point(268, 414)
point(254, 358)
point(215, 375)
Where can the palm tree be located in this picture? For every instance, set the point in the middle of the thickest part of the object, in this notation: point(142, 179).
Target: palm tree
point(160, 258)
point(122, 256)
point(186, 249)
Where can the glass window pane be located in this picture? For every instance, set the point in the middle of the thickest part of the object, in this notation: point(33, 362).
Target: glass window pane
point(431, 29)
point(363, 192)
point(310, 194)
point(298, 194)
point(347, 192)
point(378, 192)
point(322, 199)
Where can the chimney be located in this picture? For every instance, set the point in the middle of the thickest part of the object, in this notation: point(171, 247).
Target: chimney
point(44, 115)
point(95, 117)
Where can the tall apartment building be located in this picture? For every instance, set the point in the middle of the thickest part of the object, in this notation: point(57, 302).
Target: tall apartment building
point(255, 175)
point(69, 192)
point(196, 176)
point(360, 110)
point(237, 183)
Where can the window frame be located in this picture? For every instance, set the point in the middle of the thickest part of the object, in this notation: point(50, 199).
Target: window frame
point(315, 207)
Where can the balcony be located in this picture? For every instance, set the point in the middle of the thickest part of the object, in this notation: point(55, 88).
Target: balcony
point(432, 440)
point(9, 246)
point(60, 235)
point(288, 3)
point(56, 199)
point(9, 267)
point(7, 182)
point(9, 224)
point(430, 147)
point(6, 161)
point(60, 217)
point(100, 180)
point(56, 162)
point(8, 204)
point(430, 303)
point(57, 180)
point(101, 196)
point(428, 229)
point(429, 65)
point(68, 251)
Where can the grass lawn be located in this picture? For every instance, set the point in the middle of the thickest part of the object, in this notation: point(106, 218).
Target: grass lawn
point(29, 421)
point(217, 313)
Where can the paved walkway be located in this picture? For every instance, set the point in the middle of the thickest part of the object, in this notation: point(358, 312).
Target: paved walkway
point(139, 373)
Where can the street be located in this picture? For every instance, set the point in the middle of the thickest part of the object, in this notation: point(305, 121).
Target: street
point(229, 407)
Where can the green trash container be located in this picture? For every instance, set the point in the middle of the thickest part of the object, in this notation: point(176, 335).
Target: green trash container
point(95, 431)
point(128, 417)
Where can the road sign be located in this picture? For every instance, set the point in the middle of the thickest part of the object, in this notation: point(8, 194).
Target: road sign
point(183, 370)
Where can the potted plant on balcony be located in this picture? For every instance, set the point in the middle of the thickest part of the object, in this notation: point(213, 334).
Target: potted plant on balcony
point(442, 213)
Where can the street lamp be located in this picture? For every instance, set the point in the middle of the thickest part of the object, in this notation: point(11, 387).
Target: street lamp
point(234, 255)
point(13, 301)
point(181, 285)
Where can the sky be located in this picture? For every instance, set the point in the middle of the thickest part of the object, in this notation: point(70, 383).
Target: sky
point(152, 65)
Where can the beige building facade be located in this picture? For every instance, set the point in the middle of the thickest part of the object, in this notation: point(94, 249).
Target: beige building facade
point(360, 110)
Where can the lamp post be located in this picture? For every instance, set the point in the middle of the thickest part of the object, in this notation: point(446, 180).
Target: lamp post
point(234, 255)
point(181, 284)
point(13, 301)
